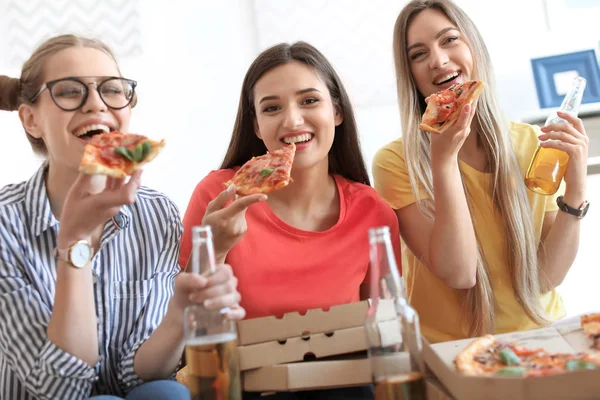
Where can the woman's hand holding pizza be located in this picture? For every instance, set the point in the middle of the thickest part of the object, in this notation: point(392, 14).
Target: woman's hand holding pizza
point(228, 221)
point(84, 212)
point(571, 138)
point(446, 145)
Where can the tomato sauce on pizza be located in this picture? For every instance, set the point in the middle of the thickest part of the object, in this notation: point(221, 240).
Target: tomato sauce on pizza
point(443, 107)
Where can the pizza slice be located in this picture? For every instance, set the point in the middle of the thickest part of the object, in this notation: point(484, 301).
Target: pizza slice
point(487, 356)
point(118, 154)
point(591, 326)
point(266, 173)
point(444, 107)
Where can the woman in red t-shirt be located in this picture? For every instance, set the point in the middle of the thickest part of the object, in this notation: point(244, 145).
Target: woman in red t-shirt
point(306, 245)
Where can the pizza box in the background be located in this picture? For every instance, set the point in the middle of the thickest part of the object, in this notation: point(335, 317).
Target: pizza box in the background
point(294, 324)
point(565, 339)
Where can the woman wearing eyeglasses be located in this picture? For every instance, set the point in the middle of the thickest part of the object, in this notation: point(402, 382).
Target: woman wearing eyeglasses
point(89, 302)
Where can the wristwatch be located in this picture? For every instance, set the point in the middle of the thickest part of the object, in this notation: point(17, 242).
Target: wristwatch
point(578, 212)
point(78, 255)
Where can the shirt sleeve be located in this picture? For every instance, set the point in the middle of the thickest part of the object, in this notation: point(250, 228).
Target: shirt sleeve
point(391, 177)
point(45, 370)
point(161, 291)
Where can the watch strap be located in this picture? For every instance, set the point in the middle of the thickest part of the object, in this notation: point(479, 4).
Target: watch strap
point(577, 212)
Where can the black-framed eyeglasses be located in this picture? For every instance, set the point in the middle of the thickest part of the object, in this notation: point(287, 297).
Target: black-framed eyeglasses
point(71, 93)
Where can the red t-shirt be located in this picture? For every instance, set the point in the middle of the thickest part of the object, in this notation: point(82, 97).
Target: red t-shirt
point(281, 268)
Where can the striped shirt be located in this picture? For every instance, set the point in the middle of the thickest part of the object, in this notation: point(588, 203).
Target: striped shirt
point(133, 274)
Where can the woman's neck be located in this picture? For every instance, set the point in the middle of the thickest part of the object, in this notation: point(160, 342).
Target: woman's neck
point(308, 186)
point(472, 151)
point(310, 202)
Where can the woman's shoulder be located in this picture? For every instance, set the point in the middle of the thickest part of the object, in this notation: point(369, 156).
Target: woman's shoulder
point(217, 179)
point(393, 149)
point(524, 140)
point(361, 195)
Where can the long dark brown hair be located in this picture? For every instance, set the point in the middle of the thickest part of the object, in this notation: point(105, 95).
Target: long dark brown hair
point(345, 157)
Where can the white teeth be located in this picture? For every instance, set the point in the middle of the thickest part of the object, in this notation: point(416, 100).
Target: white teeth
point(305, 137)
point(82, 131)
point(446, 77)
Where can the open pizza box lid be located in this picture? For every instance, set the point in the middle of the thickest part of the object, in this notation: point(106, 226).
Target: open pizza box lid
point(319, 345)
point(291, 325)
point(572, 385)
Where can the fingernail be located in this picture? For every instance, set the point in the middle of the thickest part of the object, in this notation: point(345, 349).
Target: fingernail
point(207, 303)
point(231, 188)
point(263, 198)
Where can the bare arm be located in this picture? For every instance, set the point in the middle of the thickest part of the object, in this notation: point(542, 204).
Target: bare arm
point(447, 244)
point(560, 231)
point(558, 248)
point(73, 325)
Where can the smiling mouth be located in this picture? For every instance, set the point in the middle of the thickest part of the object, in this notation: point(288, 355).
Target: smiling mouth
point(87, 132)
point(303, 138)
point(448, 78)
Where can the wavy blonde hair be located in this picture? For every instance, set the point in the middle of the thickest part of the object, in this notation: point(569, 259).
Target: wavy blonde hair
point(508, 194)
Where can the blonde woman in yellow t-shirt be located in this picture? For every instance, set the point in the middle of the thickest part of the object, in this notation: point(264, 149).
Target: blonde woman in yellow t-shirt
point(483, 254)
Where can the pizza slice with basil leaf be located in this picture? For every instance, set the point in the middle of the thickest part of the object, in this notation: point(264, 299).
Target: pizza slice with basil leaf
point(266, 173)
point(118, 154)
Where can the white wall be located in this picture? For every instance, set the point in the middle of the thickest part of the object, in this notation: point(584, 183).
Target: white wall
point(195, 55)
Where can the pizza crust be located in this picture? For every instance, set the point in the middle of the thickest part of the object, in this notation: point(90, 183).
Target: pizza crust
point(591, 326)
point(465, 362)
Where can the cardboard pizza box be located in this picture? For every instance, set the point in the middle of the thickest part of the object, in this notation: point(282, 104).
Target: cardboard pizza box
point(320, 345)
point(353, 370)
point(573, 385)
point(435, 390)
point(290, 325)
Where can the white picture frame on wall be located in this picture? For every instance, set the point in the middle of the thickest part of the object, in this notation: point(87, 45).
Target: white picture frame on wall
point(563, 15)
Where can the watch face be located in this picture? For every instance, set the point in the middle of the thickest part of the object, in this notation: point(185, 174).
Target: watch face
point(81, 253)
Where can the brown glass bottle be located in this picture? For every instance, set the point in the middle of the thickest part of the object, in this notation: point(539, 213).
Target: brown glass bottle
point(548, 166)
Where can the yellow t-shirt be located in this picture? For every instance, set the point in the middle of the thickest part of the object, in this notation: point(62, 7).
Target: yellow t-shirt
point(437, 304)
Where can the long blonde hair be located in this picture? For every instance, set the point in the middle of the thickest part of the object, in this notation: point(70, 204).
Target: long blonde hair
point(508, 194)
point(17, 91)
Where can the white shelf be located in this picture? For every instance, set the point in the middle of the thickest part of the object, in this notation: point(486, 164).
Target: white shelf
point(542, 114)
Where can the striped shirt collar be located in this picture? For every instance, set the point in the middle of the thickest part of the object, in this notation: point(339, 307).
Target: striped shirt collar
point(38, 210)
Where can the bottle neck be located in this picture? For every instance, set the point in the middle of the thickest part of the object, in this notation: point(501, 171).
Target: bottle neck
point(203, 257)
point(385, 282)
point(573, 99)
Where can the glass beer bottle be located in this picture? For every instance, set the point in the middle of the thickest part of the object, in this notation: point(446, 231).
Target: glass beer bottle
point(392, 382)
point(548, 166)
point(210, 338)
